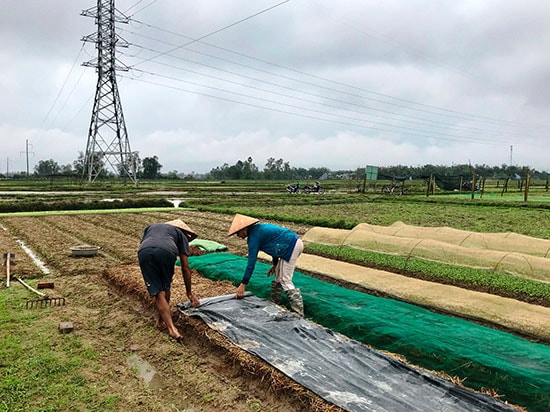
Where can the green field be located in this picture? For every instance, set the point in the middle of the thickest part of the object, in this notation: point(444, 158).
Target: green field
point(341, 206)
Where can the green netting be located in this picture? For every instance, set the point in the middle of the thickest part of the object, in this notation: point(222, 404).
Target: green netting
point(515, 368)
point(208, 245)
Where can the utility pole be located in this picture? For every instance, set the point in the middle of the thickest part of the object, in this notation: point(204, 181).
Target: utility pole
point(27, 155)
point(107, 136)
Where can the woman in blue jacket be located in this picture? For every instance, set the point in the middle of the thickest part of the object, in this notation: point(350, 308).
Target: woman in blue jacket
point(283, 245)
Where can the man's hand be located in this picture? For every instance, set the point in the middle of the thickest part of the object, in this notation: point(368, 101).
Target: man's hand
point(240, 291)
point(194, 301)
point(271, 271)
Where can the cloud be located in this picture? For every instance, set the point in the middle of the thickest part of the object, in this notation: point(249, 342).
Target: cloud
point(338, 85)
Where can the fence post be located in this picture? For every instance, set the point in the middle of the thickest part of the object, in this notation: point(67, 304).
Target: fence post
point(527, 183)
point(505, 186)
point(473, 183)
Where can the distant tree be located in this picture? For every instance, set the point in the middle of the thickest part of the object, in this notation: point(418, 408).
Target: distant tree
point(317, 172)
point(66, 169)
point(219, 173)
point(271, 169)
point(300, 173)
point(131, 167)
point(46, 168)
point(277, 169)
point(243, 170)
point(151, 167)
point(235, 172)
point(79, 166)
point(240, 170)
point(250, 170)
point(171, 175)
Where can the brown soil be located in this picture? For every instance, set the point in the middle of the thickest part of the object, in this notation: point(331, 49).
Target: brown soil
point(111, 311)
point(107, 302)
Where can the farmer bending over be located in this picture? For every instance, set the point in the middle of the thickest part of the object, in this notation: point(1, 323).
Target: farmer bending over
point(160, 245)
point(283, 245)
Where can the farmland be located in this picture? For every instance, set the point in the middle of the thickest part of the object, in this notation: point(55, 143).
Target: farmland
point(107, 302)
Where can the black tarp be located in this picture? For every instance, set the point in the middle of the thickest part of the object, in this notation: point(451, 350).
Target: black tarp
point(338, 369)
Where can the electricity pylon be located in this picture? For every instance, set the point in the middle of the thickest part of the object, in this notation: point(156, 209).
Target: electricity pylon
point(107, 137)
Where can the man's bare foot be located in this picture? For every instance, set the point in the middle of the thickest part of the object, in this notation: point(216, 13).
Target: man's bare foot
point(175, 334)
point(177, 338)
point(159, 324)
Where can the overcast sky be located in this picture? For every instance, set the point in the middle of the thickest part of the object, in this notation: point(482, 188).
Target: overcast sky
point(319, 83)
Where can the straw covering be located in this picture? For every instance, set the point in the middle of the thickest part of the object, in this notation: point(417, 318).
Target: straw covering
point(519, 255)
point(240, 222)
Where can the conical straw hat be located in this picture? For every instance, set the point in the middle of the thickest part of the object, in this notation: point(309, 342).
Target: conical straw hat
point(240, 222)
point(190, 233)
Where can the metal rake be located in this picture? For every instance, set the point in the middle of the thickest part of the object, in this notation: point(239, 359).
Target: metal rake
point(45, 300)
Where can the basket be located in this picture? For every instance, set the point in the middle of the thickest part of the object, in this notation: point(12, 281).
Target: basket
point(84, 250)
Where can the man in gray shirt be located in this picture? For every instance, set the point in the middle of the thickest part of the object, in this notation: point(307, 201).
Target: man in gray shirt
point(161, 244)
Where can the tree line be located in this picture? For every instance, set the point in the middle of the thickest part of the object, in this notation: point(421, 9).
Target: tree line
point(274, 169)
point(279, 169)
point(148, 168)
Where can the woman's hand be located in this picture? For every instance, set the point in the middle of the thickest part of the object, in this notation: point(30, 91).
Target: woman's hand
point(240, 291)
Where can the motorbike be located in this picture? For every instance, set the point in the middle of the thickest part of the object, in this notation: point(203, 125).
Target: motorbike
point(310, 188)
point(293, 188)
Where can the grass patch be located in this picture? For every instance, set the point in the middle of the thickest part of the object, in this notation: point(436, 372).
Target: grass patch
point(41, 369)
point(346, 212)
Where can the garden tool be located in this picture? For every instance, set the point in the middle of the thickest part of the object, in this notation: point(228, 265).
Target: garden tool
point(45, 299)
point(9, 258)
point(295, 300)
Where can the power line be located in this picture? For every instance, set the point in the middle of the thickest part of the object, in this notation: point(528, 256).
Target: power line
point(347, 119)
point(401, 102)
point(69, 95)
point(61, 89)
point(217, 31)
point(423, 120)
point(140, 10)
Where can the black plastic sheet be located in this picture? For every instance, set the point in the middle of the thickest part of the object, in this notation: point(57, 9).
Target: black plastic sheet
point(338, 369)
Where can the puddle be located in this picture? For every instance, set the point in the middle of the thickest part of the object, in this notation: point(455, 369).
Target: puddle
point(29, 252)
point(175, 202)
point(34, 258)
point(145, 371)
